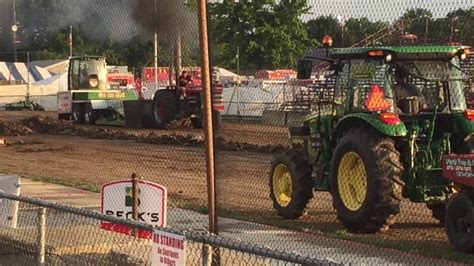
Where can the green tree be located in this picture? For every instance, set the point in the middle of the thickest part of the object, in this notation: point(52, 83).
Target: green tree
point(358, 29)
point(325, 25)
point(460, 25)
point(267, 34)
point(417, 21)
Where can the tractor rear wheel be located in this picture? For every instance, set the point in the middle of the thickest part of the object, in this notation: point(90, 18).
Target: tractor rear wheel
point(291, 187)
point(366, 182)
point(165, 108)
point(78, 113)
point(460, 222)
point(198, 122)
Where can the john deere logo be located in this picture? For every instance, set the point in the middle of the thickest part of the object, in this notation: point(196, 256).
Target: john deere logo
point(129, 197)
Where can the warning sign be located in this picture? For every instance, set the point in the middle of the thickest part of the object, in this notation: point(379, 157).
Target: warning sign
point(459, 168)
point(168, 249)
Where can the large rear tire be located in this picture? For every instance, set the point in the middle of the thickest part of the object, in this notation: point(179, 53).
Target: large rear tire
point(165, 108)
point(198, 122)
point(291, 187)
point(366, 182)
point(460, 222)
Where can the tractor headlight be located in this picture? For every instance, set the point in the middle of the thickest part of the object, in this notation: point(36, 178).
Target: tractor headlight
point(93, 81)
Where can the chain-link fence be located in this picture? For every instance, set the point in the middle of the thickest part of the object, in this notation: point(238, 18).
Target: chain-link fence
point(57, 234)
point(334, 117)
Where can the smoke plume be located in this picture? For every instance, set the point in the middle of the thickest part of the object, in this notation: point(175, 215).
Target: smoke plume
point(116, 20)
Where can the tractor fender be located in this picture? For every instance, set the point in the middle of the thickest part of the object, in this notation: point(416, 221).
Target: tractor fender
point(367, 120)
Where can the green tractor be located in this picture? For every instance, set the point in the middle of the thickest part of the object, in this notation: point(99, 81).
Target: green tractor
point(89, 98)
point(385, 118)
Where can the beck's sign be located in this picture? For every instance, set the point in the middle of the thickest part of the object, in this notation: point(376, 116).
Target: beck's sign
point(116, 200)
point(459, 168)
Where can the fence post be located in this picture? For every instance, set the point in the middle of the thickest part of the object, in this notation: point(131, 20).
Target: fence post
point(206, 255)
point(135, 195)
point(41, 236)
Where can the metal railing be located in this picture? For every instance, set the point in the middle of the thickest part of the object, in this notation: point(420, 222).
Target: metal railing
point(54, 233)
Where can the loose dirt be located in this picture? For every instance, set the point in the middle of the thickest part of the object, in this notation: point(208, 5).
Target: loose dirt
point(176, 159)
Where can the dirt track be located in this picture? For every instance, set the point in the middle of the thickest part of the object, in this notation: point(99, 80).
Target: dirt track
point(242, 175)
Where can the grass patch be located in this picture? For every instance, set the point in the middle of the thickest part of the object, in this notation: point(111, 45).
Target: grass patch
point(80, 185)
point(53, 180)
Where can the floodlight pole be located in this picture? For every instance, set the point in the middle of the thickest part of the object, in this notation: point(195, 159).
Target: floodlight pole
point(14, 30)
point(156, 49)
point(70, 40)
point(28, 73)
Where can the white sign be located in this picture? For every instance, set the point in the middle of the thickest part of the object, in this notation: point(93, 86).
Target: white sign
point(168, 249)
point(9, 208)
point(64, 102)
point(116, 200)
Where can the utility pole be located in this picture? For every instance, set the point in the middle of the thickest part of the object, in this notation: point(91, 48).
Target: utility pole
point(70, 41)
point(156, 49)
point(238, 80)
point(426, 28)
point(451, 36)
point(208, 126)
point(177, 63)
point(28, 77)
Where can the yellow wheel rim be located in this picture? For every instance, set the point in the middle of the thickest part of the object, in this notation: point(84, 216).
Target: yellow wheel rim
point(352, 181)
point(282, 185)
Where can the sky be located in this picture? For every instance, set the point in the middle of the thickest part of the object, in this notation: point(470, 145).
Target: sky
point(385, 10)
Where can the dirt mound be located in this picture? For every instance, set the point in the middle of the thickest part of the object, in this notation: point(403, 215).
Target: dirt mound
point(14, 129)
point(50, 125)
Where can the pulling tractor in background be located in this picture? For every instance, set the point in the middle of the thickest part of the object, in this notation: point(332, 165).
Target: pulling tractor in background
point(90, 99)
point(384, 120)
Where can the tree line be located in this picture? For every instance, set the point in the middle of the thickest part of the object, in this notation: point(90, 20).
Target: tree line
point(265, 34)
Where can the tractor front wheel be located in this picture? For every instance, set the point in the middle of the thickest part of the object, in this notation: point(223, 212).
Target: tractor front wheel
point(78, 113)
point(291, 187)
point(165, 108)
point(460, 222)
point(366, 182)
point(90, 115)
